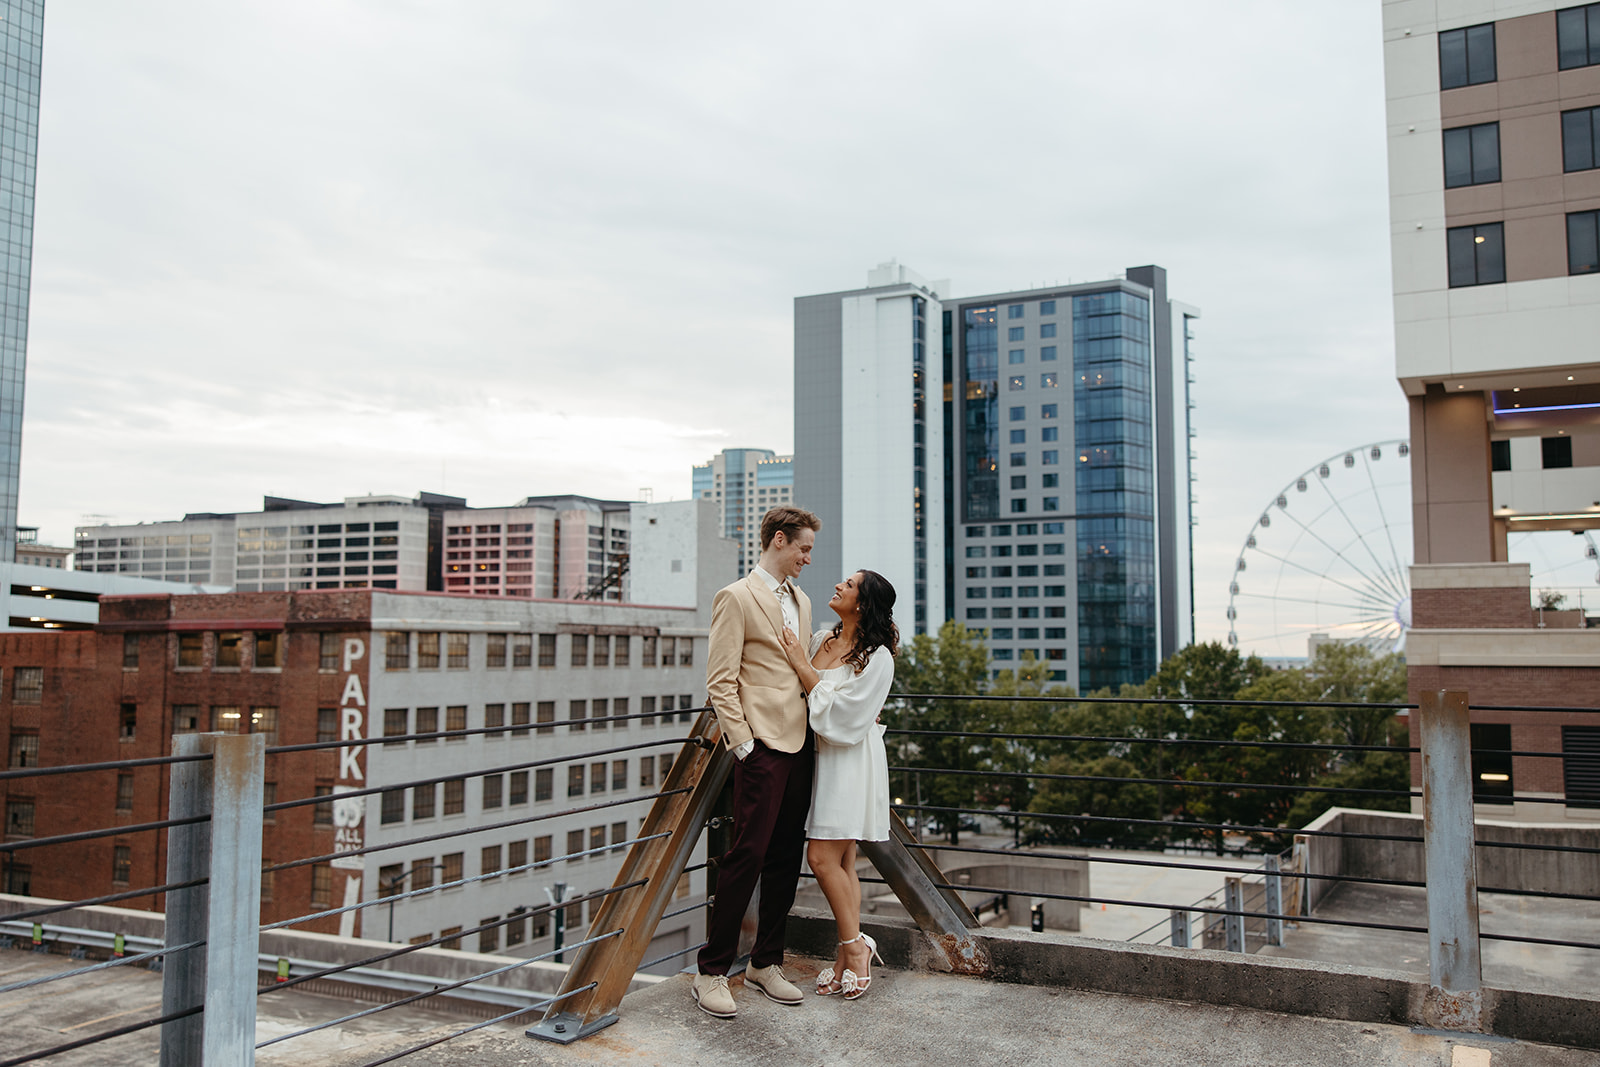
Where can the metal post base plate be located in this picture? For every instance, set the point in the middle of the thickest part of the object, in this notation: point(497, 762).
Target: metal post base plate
point(565, 1027)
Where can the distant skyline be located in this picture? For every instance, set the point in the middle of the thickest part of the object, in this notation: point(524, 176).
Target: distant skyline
point(327, 249)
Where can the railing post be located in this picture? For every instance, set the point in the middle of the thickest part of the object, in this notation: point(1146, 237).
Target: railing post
point(1233, 921)
point(1180, 928)
point(226, 912)
point(1274, 902)
point(1455, 964)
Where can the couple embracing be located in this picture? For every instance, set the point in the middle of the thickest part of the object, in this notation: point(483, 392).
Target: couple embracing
point(799, 712)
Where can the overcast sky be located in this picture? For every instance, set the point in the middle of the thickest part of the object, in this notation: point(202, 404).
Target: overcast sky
point(320, 248)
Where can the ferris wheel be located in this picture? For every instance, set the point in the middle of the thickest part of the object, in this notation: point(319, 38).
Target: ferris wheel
point(1330, 554)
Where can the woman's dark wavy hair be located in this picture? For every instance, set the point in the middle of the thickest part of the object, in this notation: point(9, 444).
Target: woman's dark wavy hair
point(875, 627)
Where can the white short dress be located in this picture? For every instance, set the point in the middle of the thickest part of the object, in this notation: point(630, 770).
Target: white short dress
point(850, 792)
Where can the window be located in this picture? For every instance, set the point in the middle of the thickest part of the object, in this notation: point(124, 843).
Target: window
point(1556, 452)
point(494, 715)
point(669, 650)
point(1050, 433)
point(547, 714)
point(230, 649)
point(647, 651)
point(191, 650)
point(450, 941)
point(1019, 481)
point(1050, 457)
point(1578, 36)
point(489, 940)
point(542, 849)
point(122, 868)
point(1050, 481)
point(269, 650)
point(1491, 763)
point(520, 713)
point(619, 707)
point(597, 710)
point(394, 805)
point(1019, 459)
point(456, 651)
point(577, 711)
point(547, 650)
point(455, 796)
point(397, 651)
point(455, 718)
point(1580, 137)
point(321, 885)
point(428, 722)
point(647, 773)
point(493, 791)
point(1018, 382)
point(1472, 155)
point(1047, 354)
point(1047, 411)
point(519, 788)
point(422, 801)
point(686, 652)
point(575, 780)
point(328, 653)
point(602, 650)
point(450, 870)
point(1016, 333)
point(490, 859)
point(428, 652)
point(597, 778)
point(516, 855)
point(495, 650)
point(24, 750)
point(1047, 307)
point(597, 837)
point(1017, 413)
point(394, 723)
point(574, 845)
point(522, 651)
point(1476, 254)
point(1014, 356)
point(1014, 311)
point(125, 791)
point(322, 813)
point(1466, 56)
point(1052, 503)
point(580, 650)
point(1047, 329)
point(1583, 242)
point(129, 722)
point(619, 835)
point(543, 783)
point(619, 653)
point(27, 685)
point(1048, 380)
point(1019, 505)
point(1500, 455)
point(1019, 437)
point(130, 652)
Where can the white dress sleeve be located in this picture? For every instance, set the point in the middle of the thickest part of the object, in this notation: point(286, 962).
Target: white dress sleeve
point(844, 705)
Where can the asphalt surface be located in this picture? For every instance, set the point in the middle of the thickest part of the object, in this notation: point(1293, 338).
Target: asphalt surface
point(907, 1020)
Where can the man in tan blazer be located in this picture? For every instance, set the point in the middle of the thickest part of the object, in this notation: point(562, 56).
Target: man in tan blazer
point(762, 712)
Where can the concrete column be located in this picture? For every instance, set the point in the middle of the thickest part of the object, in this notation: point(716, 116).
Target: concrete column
point(1452, 513)
point(1455, 965)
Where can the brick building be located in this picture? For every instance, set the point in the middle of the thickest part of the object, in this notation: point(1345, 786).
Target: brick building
point(304, 667)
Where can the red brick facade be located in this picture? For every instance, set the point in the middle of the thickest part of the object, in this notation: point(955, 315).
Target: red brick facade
point(1471, 609)
point(180, 653)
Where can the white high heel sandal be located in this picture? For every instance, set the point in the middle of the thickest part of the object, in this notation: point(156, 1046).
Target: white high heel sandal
point(853, 985)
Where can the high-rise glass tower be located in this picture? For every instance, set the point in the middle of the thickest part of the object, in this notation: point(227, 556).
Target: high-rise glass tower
point(22, 32)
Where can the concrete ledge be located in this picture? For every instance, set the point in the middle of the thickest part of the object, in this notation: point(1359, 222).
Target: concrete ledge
point(1505, 647)
point(1470, 575)
point(1293, 987)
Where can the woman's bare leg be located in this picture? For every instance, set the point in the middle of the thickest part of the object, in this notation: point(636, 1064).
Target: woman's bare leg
point(833, 864)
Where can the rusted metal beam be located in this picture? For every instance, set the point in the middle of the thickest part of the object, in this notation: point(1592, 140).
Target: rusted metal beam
point(941, 914)
point(1455, 963)
point(702, 767)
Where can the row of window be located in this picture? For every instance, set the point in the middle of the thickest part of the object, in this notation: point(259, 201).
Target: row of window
point(584, 650)
point(1047, 330)
point(1046, 433)
point(1024, 653)
point(1051, 611)
point(1467, 55)
point(1477, 254)
point(1023, 529)
point(1019, 382)
point(1046, 307)
point(399, 722)
point(1050, 548)
point(1026, 570)
point(1555, 453)
point(1472, 153)
point(511, 789)
point(1004, 592)
point(1046, 411)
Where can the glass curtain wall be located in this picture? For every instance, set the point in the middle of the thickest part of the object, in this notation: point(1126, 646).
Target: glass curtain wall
point(1115, 497)
point(980, 346)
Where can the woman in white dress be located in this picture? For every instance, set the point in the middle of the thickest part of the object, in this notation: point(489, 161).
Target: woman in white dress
point(847, 673)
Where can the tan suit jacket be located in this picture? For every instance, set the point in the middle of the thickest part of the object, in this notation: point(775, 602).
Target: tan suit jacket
point(752, 687)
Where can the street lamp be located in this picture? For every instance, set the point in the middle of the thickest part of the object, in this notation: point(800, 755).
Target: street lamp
point(557, 894)
point(389, 888)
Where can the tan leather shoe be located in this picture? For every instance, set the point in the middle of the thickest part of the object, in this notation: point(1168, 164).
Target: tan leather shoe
point(770, 980)
point(712, 994)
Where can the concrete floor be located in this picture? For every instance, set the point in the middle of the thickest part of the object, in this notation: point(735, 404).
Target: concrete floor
point(907, 1020)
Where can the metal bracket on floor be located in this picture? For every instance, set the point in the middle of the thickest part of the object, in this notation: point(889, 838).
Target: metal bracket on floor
point(565, 1027)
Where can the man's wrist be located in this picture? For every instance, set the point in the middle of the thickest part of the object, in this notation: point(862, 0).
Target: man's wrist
point(741, 751)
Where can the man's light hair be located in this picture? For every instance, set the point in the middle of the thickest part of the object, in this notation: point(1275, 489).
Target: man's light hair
point(789, 520)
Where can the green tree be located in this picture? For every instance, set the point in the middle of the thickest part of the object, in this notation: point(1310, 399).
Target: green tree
point(954, 662)
point(1006, 749)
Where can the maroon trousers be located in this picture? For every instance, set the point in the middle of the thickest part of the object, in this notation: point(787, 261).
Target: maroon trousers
point(771, 796)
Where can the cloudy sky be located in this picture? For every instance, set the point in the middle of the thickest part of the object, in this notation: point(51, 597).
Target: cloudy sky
point(321, 248)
